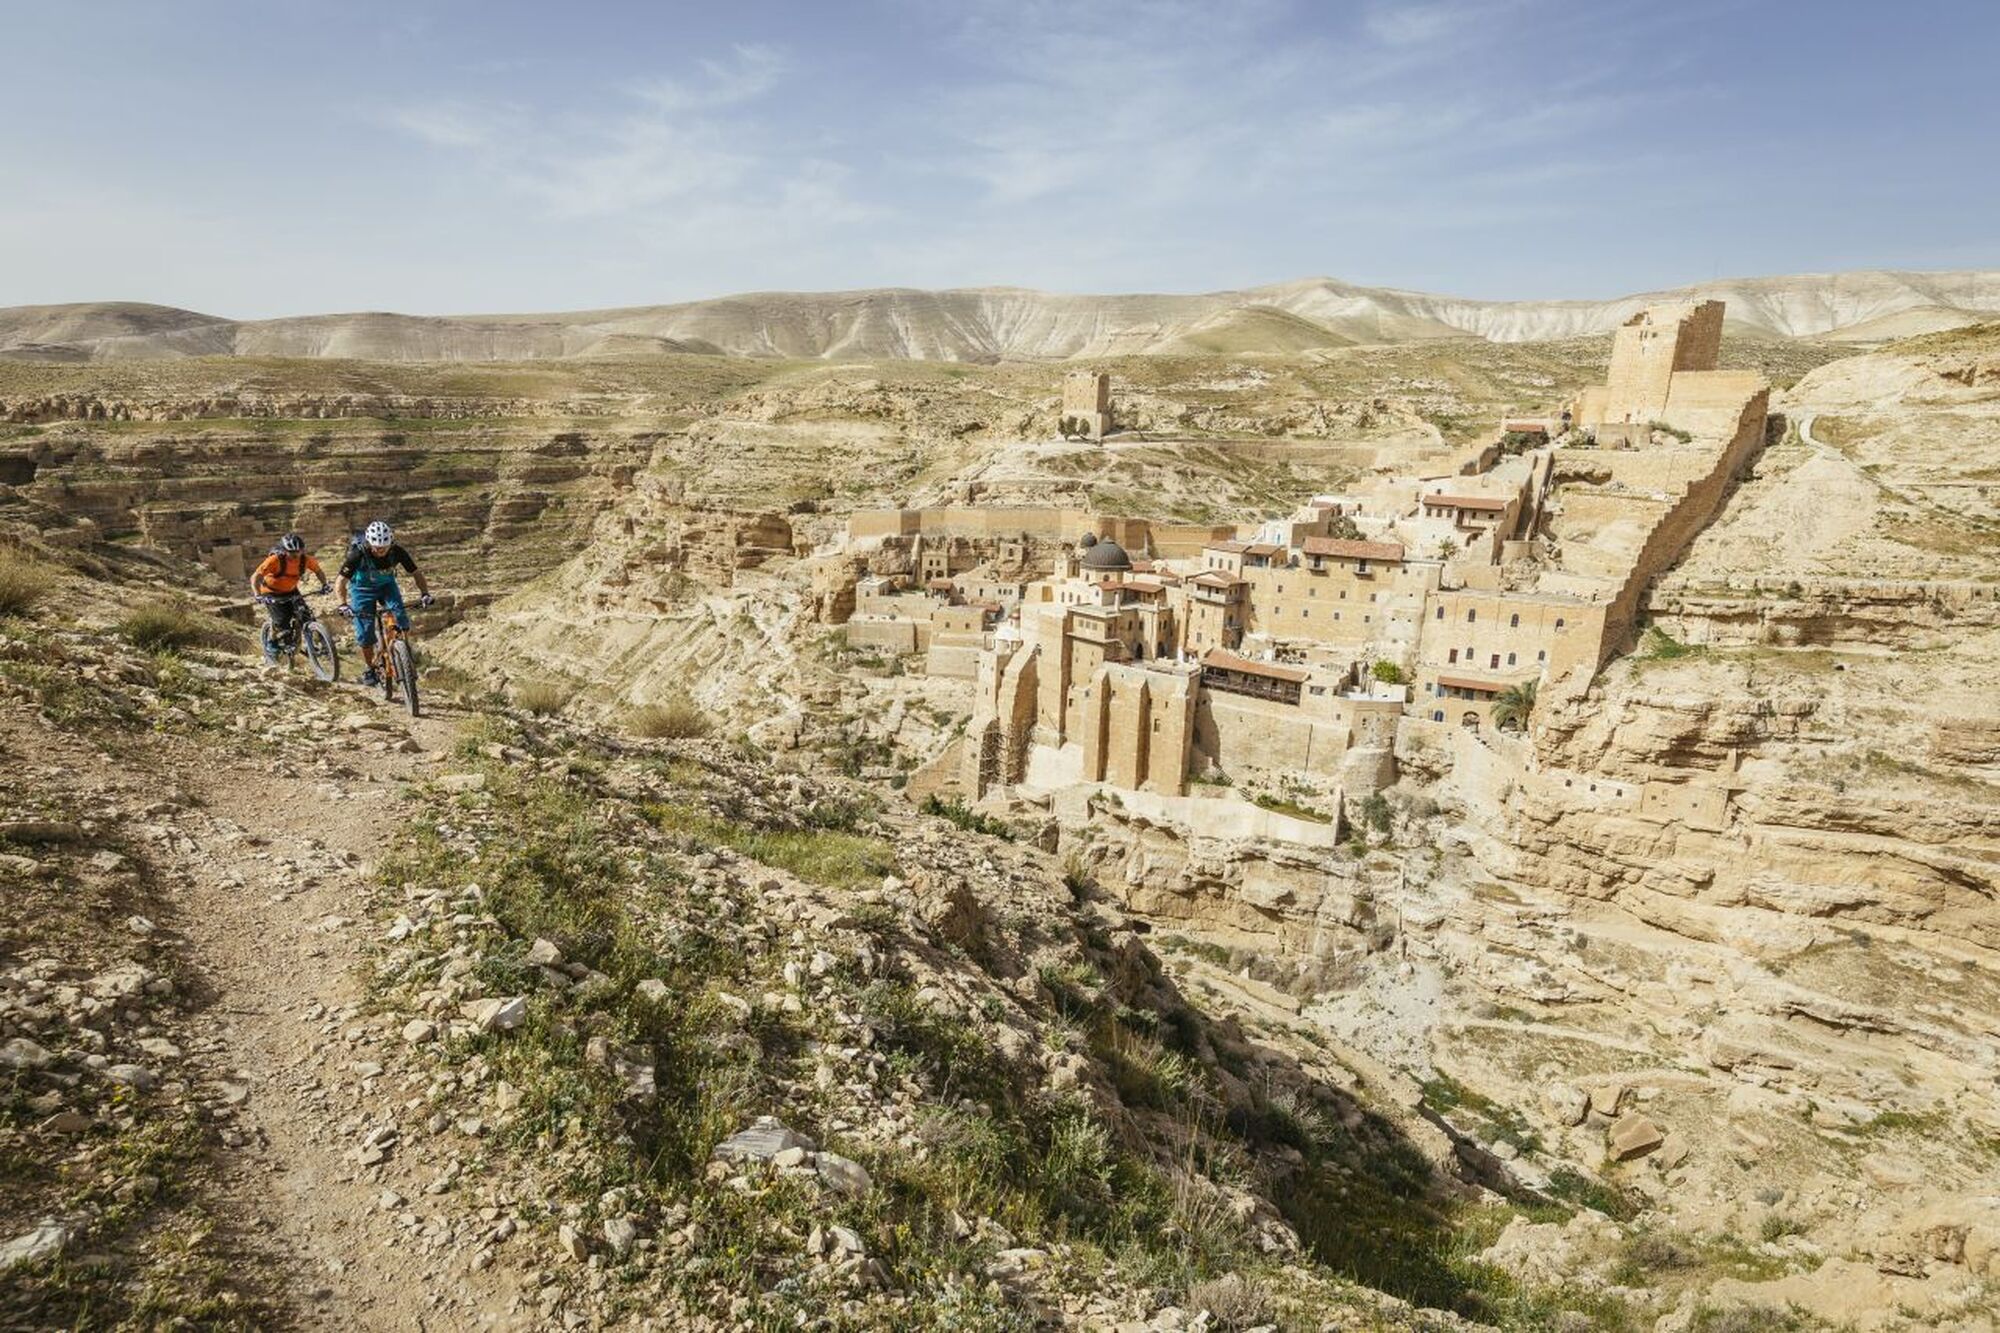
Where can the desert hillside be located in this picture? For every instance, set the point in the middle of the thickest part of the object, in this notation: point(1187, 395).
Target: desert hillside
point(994, 324)
point(649, 979)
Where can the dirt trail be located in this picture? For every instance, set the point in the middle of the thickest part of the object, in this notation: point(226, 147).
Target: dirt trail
point(276, 877)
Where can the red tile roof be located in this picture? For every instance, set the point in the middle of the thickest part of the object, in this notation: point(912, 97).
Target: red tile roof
point(1224, 660)
point(1263, 548)
point(1234, 548)
point(1350, 549)
point(1215, 578)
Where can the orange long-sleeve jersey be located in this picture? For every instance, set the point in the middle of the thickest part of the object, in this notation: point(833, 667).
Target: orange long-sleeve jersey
point(280, 573)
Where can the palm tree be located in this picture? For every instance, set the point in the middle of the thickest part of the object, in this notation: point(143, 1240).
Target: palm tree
point(1514, 705)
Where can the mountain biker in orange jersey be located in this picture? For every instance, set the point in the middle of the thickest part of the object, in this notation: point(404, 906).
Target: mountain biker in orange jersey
point(275, 583)
point(368, 577)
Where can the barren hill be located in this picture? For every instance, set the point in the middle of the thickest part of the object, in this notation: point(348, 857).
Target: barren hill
point(994, 324)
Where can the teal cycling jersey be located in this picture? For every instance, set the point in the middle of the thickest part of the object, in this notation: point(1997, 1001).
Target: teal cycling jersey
point(364, 569)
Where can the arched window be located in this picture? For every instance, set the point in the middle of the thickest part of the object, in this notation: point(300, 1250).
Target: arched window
point(1440, 614)
point(1559, 622)
point(1437, 715)
point(1471, 614)
point(1514, 621)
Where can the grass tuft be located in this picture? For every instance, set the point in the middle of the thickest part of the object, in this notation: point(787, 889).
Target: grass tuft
point(168, 627)
point(677, 718)
point(24, 583)
point(542, 697)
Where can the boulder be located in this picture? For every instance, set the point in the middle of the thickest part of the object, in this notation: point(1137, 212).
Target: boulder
point(1565, 1104)
point(45, 1241)
point(20, 1053)
point(1633, 1135)
point(842, 1175)
point(496, 1014)
point(764, 1139)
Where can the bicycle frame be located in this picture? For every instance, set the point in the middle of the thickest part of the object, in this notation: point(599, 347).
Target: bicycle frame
point(386, 634)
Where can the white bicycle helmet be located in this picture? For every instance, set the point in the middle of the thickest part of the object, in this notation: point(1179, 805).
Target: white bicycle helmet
point(379, 534)
point(291, 543)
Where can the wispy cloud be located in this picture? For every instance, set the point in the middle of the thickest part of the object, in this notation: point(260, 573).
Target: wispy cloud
point(672, 154)
point(747, 73)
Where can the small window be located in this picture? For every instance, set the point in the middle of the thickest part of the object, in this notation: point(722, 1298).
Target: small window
point(1440, 614)
point(1437, 715)
point(1559, 622)
point(1494, 663)
point(1454, 656)
point(1471, 614)
point(1542, 655)
point(1514, 621)
point(1510, 659)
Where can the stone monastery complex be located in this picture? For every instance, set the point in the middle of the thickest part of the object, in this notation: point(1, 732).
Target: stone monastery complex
point(1141, 655)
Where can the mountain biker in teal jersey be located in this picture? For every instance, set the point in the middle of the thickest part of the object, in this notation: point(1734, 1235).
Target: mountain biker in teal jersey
point(367, 578)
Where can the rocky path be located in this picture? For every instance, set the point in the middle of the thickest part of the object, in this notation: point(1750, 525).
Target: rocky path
point(275, 860)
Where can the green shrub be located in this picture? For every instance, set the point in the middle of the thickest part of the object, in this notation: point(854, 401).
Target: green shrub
point(23, 584)
point(1375, 812)
point(167, 628)
point(824, 856)
point(1286, 806)
point(968, 819)
point(1778, 1226)
point(677, 718)
point(1234, 1301)
point(542, 697)
point(1388, 673)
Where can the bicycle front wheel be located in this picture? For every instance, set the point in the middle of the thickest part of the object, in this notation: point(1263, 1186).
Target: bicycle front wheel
point(320, 650)
point(405, 678)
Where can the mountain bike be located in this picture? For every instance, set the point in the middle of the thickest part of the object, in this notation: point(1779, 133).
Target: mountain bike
point(306, 632)
point(395, 660)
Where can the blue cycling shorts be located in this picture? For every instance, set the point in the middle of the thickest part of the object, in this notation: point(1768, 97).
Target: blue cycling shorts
point(362, 600)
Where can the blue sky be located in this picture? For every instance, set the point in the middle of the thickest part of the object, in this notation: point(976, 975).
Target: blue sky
point(445, 156)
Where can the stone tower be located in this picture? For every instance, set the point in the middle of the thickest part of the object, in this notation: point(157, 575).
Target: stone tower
point(1651, 347)
point(1087, 397)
